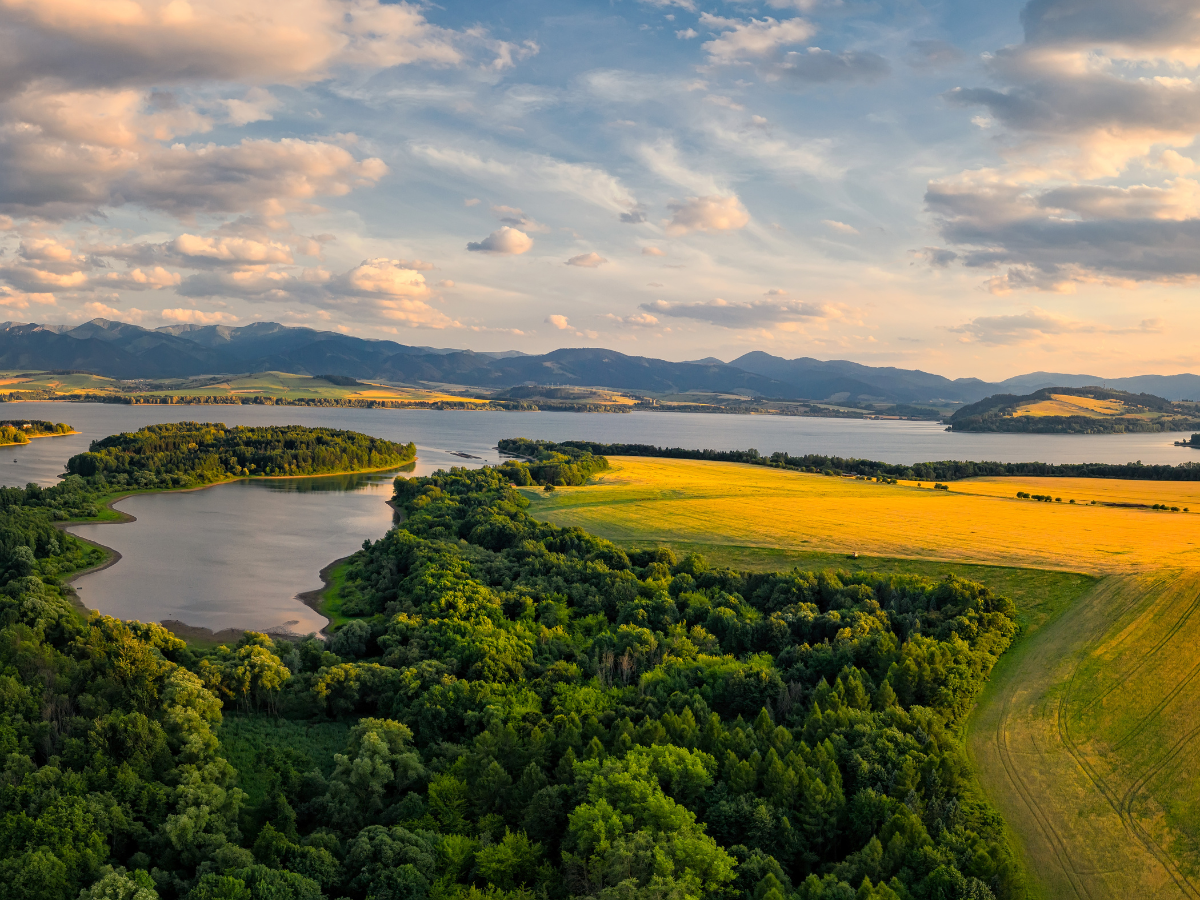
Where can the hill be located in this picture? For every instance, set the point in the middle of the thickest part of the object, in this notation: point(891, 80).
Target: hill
point(1073, 410)
point(125, 351)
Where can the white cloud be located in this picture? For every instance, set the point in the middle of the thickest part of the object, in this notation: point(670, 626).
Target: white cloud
point(154, 41)
point(687, 34)
point(559, 322)
point(506, 241)
point(637, 320)
point(707, 214)
point(840, 227)
point(587, 260)
point(386, 276)
point(653, 251)
point(754, 39)
point(198, 317)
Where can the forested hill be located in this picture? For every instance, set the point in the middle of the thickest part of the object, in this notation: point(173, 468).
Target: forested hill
point(186, 453)
point(521, 712)
point(19, 431)
point(1088, 410)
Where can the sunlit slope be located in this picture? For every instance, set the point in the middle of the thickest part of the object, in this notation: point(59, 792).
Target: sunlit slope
point(727, 503)
point(1086, 739)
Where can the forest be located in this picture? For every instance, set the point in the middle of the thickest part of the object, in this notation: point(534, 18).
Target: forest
point(193, 453)
point(513, 711)
point(943, 470)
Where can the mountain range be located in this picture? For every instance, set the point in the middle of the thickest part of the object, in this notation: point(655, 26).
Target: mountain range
point(127, 351)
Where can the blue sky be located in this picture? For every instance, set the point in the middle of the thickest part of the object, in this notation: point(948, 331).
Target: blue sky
point(969, 188)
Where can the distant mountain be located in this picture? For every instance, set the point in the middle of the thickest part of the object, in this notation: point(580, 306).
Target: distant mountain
point(122, 350)
point(820, 379)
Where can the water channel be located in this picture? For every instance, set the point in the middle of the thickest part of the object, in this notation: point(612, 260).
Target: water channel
point(237, 555)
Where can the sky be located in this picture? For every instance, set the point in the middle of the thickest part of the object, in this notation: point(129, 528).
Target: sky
point(969, 188)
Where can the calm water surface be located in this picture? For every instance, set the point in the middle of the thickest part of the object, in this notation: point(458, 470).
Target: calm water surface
point(236, 555)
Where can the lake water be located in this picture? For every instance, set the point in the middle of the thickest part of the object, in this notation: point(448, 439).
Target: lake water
point(236, 555)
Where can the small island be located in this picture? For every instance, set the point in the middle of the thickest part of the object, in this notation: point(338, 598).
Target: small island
point(19, 431)
point(193, 454)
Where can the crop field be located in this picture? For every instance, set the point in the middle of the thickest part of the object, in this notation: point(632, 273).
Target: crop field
point(699, 502)
point(1085, 490)
point(1067, 405)
point(1088, 732)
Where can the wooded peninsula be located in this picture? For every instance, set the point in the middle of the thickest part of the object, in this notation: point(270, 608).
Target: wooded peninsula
point(513, 710)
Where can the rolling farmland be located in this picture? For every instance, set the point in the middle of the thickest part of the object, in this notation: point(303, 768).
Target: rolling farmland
point(1087, 734)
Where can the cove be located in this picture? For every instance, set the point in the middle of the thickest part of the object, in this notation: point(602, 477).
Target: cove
point(233, 555)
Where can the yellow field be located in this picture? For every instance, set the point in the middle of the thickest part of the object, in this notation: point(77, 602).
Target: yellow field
point(1086, 735)
point(1067, 405)
point(1085, 490)
point(692, 501)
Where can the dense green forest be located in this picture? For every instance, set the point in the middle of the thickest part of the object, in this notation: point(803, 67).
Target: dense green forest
point(187, 453)
point(514, 711)
point(943, 470)
point(550, 463)
point(19, 431)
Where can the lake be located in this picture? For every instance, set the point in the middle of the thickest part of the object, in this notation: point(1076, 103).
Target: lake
point(237, 555)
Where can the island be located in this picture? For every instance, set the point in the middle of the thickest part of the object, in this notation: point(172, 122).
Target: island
point(187, 454)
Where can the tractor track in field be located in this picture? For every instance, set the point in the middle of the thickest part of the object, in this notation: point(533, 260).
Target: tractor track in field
point(1058, 845)
point(1174, 629)
point(1123, 805)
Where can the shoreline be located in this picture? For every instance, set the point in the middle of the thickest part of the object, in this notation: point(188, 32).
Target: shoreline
point(314, 598)
point(180, 629)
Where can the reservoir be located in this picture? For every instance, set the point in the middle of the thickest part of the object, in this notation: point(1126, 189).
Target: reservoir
point(237, 555)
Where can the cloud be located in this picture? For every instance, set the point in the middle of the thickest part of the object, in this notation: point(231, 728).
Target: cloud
point(587, 260)
point(653, 251)
point(687, 34)
point(752, 314)
point(817, 66)
point(840, 227)
point(511, 215)
point(707, 214)
point(559, 322)
point(533, 172)
point(198, 317)
point(1076, 233)
point(1036, 325)
point(385, 276)
point(637, 320)
point(58, 179)
point(506, 241)
point(151, 41)
point(199, 251)
point(932, 54)
point(1092, 93)
point(754, 39)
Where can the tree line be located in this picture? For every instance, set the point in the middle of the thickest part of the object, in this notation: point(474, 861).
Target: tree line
point(188, 453)
point(943, 470)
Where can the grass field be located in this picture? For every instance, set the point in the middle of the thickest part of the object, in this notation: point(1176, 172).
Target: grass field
point(1086, 735)
point(692, 501)
point(1067, 405)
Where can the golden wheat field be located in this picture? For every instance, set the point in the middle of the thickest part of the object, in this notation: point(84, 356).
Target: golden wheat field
point(693, 501)
point(1085, 490)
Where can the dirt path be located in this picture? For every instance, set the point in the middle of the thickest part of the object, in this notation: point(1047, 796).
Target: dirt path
point(1070, 808)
